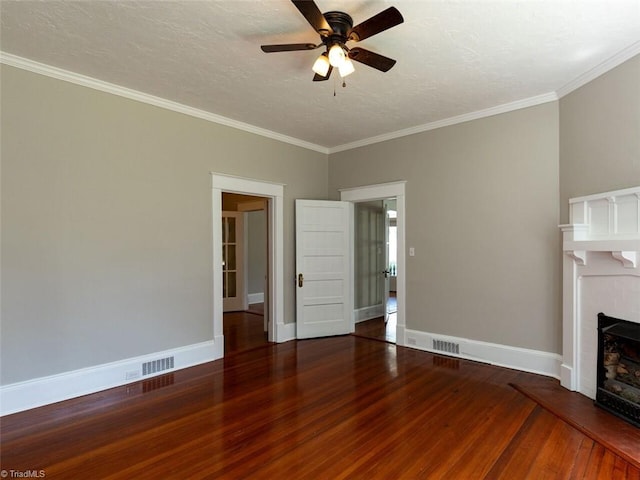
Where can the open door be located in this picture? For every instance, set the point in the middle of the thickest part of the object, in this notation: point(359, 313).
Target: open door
point(323, 263)
point(233, 284)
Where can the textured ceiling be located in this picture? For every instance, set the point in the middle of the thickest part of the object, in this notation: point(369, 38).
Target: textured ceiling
point(454, 57)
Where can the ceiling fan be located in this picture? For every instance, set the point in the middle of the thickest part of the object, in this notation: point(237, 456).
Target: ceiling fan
point(335, 30)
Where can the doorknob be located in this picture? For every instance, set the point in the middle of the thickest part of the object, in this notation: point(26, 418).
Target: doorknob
point(300, 280)
point(386, 273)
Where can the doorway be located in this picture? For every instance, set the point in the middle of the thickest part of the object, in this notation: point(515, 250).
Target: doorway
point(375, 269)
point(244, 271)
point(274, 297)
point(380, 193)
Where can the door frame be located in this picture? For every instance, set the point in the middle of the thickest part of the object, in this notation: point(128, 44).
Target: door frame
point(274, 193)
point(381, 192)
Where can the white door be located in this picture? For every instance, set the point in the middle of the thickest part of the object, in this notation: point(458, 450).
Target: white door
point(233, 285)
point(323, 263)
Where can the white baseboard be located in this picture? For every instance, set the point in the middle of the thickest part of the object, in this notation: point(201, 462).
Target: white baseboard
point(567, 378)
point(255, 298)
point(367, 313)
point(285, 332)
point(20, 396)
point(526, 360)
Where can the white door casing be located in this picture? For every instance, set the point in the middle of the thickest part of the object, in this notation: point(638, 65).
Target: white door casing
point(274, 192)
point(324, 282)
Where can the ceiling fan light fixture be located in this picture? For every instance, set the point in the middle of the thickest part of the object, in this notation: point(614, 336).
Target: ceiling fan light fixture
point(321, 66)
point(336, 30)
point(337, 56)
point(346, 68)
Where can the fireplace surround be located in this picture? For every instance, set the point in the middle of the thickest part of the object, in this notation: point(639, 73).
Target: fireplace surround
point(601, 273)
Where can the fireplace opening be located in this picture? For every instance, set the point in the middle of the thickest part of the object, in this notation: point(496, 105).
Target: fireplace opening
point(618, 374)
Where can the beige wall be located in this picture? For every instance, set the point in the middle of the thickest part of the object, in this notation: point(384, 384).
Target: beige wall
point(600, 135)
point(482, 215)
point(106, 222)
point(257, 250)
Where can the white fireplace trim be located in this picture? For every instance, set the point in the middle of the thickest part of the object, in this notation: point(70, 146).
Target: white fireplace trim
point(628, 259)
point(602, 226)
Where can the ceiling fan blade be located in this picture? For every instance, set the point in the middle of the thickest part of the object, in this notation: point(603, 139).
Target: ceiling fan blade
point(376, 24)
point(288, 47)
point(374, 60)
point(312, 13)
point(320, 78)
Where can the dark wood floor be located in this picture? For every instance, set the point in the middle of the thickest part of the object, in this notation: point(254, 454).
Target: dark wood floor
point(244, 330)
point(377, 328)
point(340, 407)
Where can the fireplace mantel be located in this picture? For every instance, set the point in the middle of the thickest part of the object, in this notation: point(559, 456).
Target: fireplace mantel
point(601, 272)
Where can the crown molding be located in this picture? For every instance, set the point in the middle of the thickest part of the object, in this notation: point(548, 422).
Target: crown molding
point(578, 82)
point(82, 80)
point(60, 74)
point(609, 64)
point(467, 117)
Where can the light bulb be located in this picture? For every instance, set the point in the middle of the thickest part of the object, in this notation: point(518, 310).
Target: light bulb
point(321, 67)
point(346, 68)
point(336, 55)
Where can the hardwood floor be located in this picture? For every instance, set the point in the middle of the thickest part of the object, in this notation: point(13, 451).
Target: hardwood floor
point(578, 411)
point(244, 330)
point(377, 328)
point(340, 407)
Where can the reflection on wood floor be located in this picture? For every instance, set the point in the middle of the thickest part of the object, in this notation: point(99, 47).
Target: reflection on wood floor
point(376, 328)
point(244, 330)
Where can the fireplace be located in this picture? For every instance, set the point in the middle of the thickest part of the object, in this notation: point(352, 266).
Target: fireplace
point(619, 367)
point(601, 273)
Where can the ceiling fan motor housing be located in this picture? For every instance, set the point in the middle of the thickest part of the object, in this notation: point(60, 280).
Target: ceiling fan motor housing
point(341, 23)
